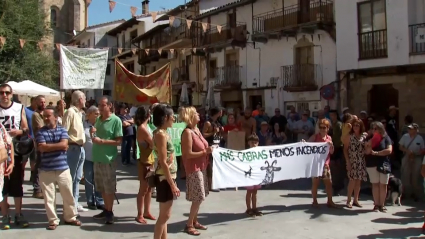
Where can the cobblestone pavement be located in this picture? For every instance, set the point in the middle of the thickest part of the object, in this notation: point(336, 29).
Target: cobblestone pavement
point(286, 207)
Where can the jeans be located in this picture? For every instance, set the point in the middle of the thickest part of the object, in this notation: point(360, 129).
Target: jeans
point(76, 156)
point(93, 197)
point(34, 173)
point(127, 142)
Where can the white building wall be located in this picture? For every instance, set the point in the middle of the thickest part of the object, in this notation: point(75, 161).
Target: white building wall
point(400, 14)
point(264, 61)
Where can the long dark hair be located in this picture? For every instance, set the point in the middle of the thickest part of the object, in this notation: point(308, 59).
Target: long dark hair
point(160, 114)
point(142, 114)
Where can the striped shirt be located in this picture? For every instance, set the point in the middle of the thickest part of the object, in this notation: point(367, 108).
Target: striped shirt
point(57, 160)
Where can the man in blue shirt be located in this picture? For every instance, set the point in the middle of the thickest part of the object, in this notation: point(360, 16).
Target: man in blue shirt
point(29, 111)
point(52, 143)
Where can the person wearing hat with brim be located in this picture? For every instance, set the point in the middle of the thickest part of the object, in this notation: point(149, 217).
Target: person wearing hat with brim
point(412, 145)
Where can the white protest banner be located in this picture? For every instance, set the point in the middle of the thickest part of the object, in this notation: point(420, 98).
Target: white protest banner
point(82, 68)
point(268, 164)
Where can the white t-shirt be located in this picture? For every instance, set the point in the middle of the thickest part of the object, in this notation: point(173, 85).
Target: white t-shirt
point(416, 146)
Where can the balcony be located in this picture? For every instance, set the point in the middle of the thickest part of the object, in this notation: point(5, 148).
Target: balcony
point(373, 45)
point(228, 77)
point(153, 55)
point(286, 21)
point(178, 37)
point(228, 36)
point(302, 77)
point(417, 39)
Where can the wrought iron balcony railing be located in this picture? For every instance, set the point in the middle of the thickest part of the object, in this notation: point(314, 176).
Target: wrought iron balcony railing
point(228, 76)
point(373, 44)
point(213, 36)
point(417, 38)
point(319, 11)
point(302, 77)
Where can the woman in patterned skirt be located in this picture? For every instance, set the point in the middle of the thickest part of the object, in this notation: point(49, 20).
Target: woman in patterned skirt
point(355, 160)
point(195, 153)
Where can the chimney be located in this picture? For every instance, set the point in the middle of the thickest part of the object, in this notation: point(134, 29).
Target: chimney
point(145, 7)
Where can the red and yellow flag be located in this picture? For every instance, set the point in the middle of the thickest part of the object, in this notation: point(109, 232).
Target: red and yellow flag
point(141, 90)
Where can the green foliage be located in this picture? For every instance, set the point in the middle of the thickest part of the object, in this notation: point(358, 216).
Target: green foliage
point(25, 19)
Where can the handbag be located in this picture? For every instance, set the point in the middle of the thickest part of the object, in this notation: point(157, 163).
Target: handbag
point(384, 166)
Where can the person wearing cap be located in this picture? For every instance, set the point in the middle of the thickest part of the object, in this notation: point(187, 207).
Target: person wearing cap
point(411, 144)
point(304, 128)
point(408, 120)
point(261, 117)
point(263, 134)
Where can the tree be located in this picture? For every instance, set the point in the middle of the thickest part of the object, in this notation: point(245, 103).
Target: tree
point(25, 19)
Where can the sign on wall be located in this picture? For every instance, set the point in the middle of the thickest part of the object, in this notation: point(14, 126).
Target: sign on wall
point(268, 164)
point(82, 68)
point(420, 35)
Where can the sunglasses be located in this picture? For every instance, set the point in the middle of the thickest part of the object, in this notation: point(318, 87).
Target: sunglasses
point(5, 92)
point(356, 125)
point(323, 127)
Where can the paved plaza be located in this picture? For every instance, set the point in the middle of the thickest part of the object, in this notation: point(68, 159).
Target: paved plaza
point(286, 207)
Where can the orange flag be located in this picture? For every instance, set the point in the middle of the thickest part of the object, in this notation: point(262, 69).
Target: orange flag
point(58, 46)
point(160, 51)
point(171, 19)
point(194, 50)
point(204, 26)
point(189, 23)
point(219, 28)
point(111, 5)
point(2, 41)
point(134, 50)
point(133, 11)
point(120, 50)
point(88, 2)
point(40, 45)
point(147, 51)
point(172, 51)
point(22, 42)
point(183, 51)
point(154, 14)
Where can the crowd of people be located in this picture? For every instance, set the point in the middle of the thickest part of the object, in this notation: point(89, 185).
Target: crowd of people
point(77, 141)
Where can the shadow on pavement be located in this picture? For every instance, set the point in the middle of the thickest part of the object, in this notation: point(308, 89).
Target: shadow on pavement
point(395, 233)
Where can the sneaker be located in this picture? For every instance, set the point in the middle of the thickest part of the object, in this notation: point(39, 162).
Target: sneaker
point(20, 221)
point(80, 208)
point(37, 195)
point(5, 222)
point(92, 207)
point(101, 215)
point(109, 218)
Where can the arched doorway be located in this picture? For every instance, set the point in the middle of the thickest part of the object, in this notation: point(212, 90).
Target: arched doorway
point(380, 98)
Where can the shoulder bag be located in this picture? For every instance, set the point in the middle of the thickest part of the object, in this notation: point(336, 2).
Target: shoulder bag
point(384, 166)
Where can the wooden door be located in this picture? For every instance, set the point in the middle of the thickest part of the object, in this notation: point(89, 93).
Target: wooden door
point(303, 71)
point(303, 11)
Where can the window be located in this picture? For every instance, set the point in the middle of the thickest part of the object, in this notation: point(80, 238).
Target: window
point(133, 34)
point(231, 19)
point(107, 93)
point(108, 70)
point(372, 22)
point(123, 40)
point(53, 17)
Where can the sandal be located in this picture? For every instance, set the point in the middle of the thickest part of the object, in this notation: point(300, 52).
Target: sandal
point(349, 205)
point(382, 209)
point(249, 212)
point(258, 213)
point(375, 208)
point(52, 227)
point(315, 205)
point(199, 226)
point(141, 220)
point(357, 204)
point(74, 223)
point(190, 230)
point(150, 217)
point(332, 205)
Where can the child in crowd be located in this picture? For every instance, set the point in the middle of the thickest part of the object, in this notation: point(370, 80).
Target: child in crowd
point(251, 192)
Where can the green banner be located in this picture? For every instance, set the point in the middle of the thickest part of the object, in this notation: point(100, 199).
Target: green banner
point(175, 133)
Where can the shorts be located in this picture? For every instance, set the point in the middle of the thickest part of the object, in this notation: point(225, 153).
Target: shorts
point(326, 174)
point(12, 186)
point(163, 191)
point(255, 187)
point(377, 177)
point(105, 177)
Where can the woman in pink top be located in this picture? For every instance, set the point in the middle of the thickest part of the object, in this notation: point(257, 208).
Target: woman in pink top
point(195, 153)
point(323, 136)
